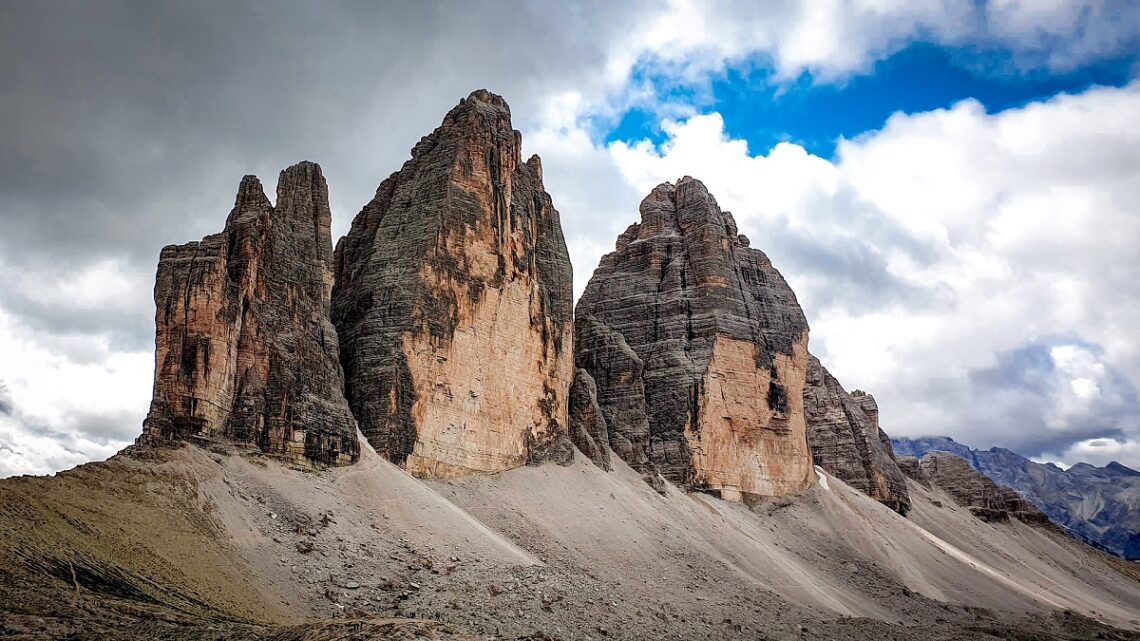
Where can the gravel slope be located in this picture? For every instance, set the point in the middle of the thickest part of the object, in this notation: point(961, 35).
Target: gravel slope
point(190, 544)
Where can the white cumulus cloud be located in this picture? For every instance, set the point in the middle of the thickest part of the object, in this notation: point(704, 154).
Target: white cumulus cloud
point(976, 271)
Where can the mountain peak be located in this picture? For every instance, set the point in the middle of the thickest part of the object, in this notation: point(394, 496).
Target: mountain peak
point(487, 97)
point(245, 352)
point(681, 314)
point(1121, 469)
point(453, 303)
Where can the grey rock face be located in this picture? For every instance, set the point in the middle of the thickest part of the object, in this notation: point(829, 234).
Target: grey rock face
point(453, 303)
point(912, 468)
point(845, 439)
point(245, 350)
point(588, 428)
point(972, 489)
point(698, 349)
point(1098, 504)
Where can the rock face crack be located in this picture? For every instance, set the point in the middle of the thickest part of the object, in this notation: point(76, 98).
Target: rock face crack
point(245, 349)
point(453, 304)
point(685, 330)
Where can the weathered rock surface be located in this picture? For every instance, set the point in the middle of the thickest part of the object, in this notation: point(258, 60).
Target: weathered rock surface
point(846, 440)
point(588, 428)
point(245, 350)
point(972, 489)
point(699, 351)
point(1098, 504)
point(453, 303)
point(912, 468)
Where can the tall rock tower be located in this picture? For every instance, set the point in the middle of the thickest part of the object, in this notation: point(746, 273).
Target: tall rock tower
point(698, 349)
point(245, 350)
point(453, 304)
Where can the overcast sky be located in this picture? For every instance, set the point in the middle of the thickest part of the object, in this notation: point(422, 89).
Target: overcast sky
point(952, 188)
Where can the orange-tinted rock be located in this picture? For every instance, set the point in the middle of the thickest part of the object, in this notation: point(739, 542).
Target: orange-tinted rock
point(245, 351)
point(453, 303)
point(699, 351)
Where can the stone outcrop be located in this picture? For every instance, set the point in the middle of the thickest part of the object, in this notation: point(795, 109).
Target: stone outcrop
point(972, 489)
point(1100, 505)
point(588, 428)
point(912, 468)
point(846, 440)
point(699, 351)
point(453, 304)
point(245, 350)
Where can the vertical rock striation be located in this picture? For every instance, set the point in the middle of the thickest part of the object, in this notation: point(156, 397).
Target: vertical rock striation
point(245, 350)
point(699, 351)
point(453, 303)
point(588, 428)
point(845, 438)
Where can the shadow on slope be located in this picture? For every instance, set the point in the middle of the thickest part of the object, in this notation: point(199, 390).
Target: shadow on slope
point(194, 544)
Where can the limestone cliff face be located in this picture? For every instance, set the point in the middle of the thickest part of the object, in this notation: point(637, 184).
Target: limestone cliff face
point(699, 351)
point(911, 468)
point(973, 490)
point(845, 438)
point(588, 429)
point(453, 303)
point(245, 350)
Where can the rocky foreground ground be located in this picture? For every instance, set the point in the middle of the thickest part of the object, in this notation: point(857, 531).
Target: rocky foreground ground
point(191, 544)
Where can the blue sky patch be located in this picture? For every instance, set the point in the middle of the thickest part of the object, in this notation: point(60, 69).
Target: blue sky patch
point(919, 78)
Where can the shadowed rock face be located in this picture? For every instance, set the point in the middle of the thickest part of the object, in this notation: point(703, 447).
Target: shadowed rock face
point(699, 351)
point(588, 428)
point(245, 350)
point(453, 303)
point(972, 489)
point(843, 430)
point(912, 468)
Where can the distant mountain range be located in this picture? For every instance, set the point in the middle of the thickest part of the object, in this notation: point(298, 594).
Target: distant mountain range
point(1098, 504)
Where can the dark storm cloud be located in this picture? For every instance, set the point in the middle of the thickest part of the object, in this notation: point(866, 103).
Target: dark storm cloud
point(98, 428)
point(127, 125)
point(126, 327)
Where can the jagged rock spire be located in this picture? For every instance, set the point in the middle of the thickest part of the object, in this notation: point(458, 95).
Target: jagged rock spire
point(846, 440)
point(245, 350)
